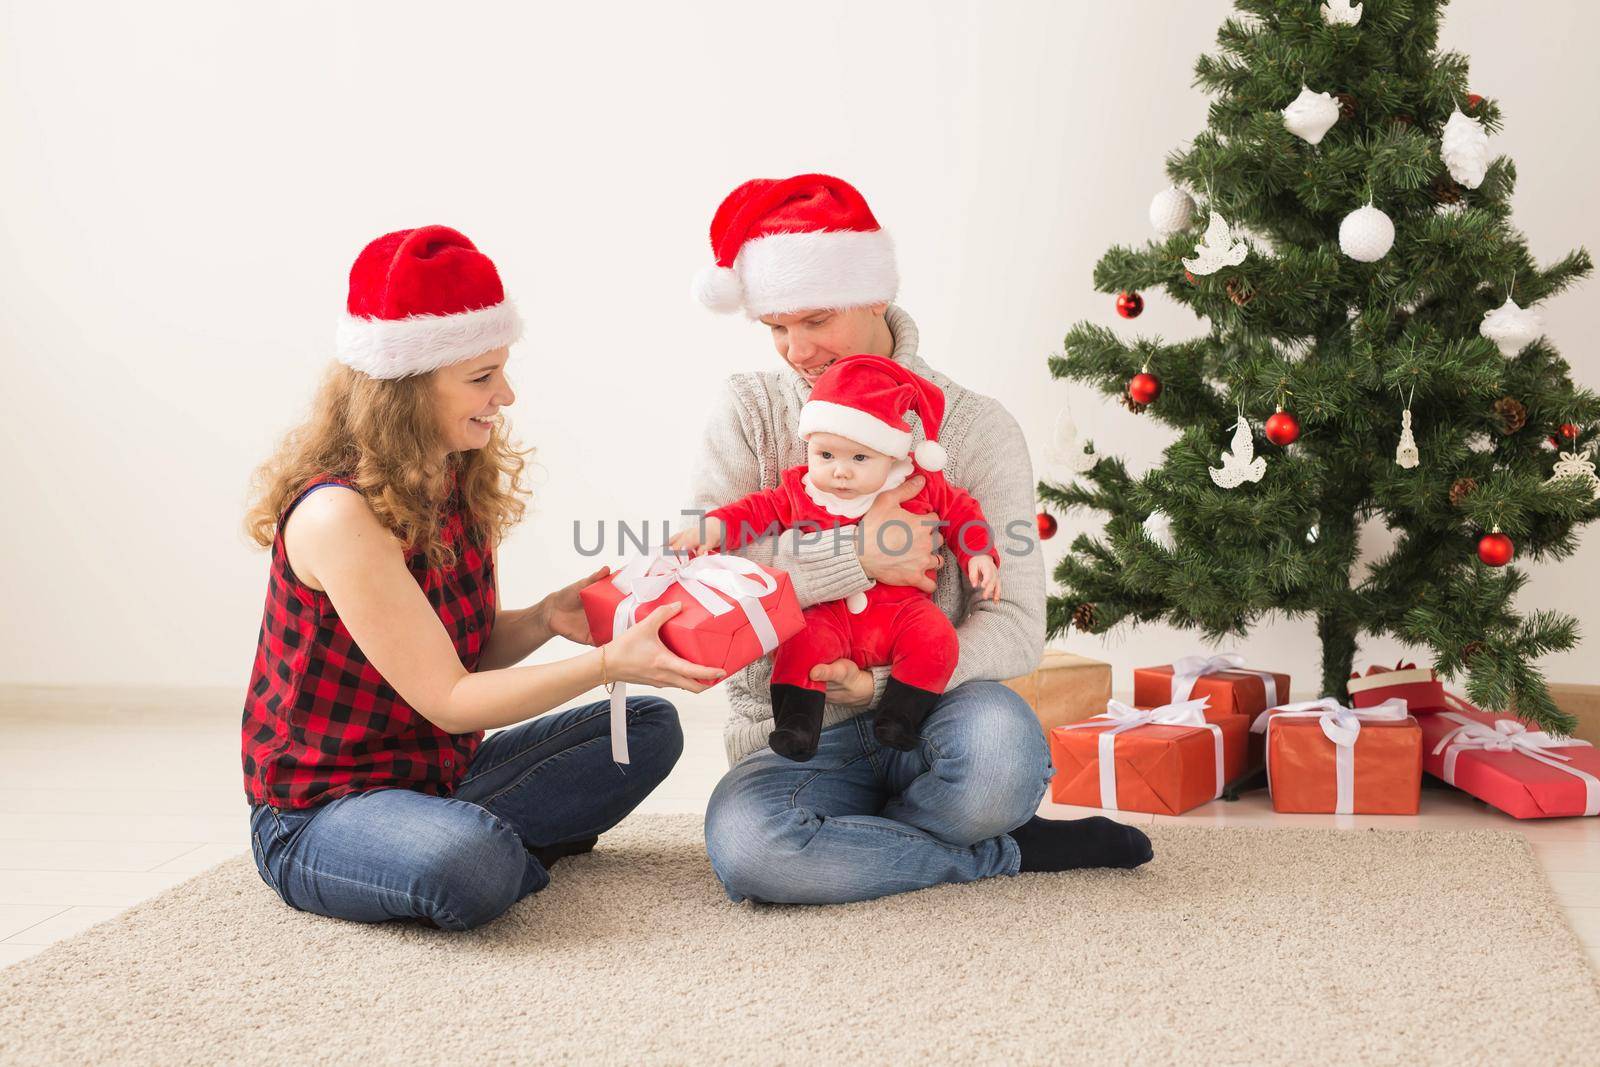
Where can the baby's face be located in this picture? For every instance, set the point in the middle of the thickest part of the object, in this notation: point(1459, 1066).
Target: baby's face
point(844, 467)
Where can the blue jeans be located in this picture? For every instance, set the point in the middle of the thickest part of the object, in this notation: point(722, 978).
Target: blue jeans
point(460, 861)
point(860, 821)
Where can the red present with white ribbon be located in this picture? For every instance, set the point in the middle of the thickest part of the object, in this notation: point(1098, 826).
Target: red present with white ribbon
point(733, 612)
point(1526, 773)
point(1233, 688)
point(1164, 760)
point(1419, 687)
point(1325, 757)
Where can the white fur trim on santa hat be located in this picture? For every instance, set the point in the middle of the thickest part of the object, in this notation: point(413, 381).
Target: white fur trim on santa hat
point(785, 272)
point(824, 416)
point(399, 348)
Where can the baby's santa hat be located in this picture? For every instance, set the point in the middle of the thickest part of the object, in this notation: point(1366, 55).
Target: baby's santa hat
point(866, 398)
point(422, 299)
point(796, 244)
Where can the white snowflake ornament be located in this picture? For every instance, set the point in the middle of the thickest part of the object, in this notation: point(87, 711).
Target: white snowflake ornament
point(1311, 115)
point(1241, 464)
point(1158, 528)
point(1464, 147)
point(1578, 468)
point(1406, 454)
point(1366, 234)
point(1069, 450)
point(1510, 327)
point(1171, 210)
point(1217, 249)
point(1341, 13)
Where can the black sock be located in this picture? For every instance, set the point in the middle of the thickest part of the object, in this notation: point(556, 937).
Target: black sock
point(1067, 844)
point(900, 714)
point(547, 855)
point(797, 716)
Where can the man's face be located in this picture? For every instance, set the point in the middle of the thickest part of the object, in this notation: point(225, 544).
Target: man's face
point(809, 341)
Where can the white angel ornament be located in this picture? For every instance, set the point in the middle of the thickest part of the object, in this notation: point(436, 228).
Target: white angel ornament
point(1241, 464)
point(1406, 454)
point(1217, 249)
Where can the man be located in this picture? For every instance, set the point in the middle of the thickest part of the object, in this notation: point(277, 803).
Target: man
point(806, 258)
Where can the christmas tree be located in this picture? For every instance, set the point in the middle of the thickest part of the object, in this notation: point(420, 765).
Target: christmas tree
point(1373, 355)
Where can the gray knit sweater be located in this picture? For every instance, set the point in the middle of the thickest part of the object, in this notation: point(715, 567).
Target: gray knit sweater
point(750, 439)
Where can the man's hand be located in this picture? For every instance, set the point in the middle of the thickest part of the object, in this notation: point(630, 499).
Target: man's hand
point(899, 547)
point(847, 683)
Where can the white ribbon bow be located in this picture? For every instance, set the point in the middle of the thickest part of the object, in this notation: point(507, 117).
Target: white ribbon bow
point(1182, 713)
point(1187, 670)
point(1509, 735)
point(1342, 726)
point(713, 580)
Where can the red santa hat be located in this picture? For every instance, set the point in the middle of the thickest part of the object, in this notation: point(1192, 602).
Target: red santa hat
point(867, 398)
point(796, 244)
point(422, 299)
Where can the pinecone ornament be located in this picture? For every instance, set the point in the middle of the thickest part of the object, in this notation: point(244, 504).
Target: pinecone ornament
point(1133, 405)
point(1460, 489)
point(1512, 413)
point(1347, 105)
point(1470, 649)
point(1240, 292)
point(1083, 617)
point(1445, 190)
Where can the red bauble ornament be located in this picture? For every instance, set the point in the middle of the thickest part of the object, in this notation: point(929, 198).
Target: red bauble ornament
point(1144, 387)
point(1283, 428)
point(1496, 549)
point(1129, 305)
point(1047, 525)
point(1473, 100)
point(1570, 431)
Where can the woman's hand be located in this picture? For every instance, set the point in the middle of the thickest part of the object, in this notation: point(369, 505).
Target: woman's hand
point(637, 655)
point(847, 683)
point(561, 613)
point(699, 538)
point(985, 575)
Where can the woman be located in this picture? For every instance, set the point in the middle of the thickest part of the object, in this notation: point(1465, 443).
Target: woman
point(384, 655)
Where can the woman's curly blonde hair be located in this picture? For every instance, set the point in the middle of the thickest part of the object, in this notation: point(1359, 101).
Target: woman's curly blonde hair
point(383, 436)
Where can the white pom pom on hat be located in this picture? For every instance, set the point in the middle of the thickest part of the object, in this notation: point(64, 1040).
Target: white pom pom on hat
point(718, 288)
point(930, 456)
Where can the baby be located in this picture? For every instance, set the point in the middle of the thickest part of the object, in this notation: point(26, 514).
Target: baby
point(858, 445)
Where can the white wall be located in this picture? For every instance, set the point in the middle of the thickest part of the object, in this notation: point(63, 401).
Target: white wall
point(186, 183)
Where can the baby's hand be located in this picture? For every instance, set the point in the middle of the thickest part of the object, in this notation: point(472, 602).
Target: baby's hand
point(985, 575)
point(700, 538)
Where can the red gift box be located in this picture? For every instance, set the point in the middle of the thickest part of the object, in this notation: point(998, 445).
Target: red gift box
point(1417, 686)
point(1324, 757)
point(1232, 688)
point(1163, 760)
point(732, 608)
point(1505, 763)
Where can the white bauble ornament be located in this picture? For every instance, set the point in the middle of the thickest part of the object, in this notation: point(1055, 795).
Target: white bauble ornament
point(1341, 13)
point(1158, 527)
point(1171, 210)
point(1511, 328)
point(1217, 249)
point(1241, 464)
point(1464, 147)
point(1311, 115)
point(1366, 234)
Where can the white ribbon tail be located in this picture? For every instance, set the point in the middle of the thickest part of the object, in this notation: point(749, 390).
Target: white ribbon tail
point(1108, 770)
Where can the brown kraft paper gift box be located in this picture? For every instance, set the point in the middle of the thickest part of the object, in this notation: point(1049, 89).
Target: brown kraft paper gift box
point(1065, 688)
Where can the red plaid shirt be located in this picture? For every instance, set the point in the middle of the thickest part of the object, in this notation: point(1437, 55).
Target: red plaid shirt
point(320, 721)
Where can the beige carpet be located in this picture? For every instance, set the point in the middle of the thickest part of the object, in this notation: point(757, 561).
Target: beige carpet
point(1235, 945)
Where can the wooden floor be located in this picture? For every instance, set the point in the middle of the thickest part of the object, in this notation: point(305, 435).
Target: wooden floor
point(108, 797)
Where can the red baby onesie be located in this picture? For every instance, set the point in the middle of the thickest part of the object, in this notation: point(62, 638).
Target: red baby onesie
point(899, 626)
